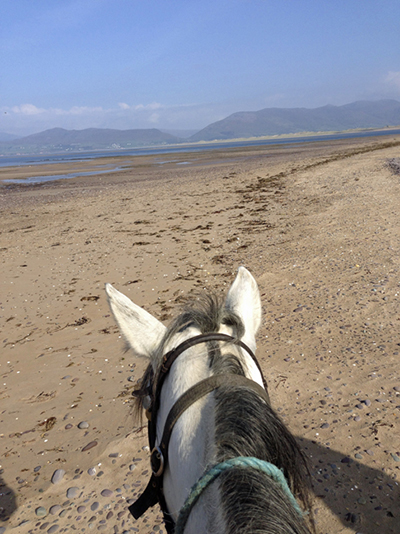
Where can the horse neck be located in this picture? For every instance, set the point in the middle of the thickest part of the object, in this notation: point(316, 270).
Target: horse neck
point(193, 446)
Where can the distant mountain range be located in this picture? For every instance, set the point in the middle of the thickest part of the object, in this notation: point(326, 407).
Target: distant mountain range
point(276, 121)
point(60, 140)
point(245, 124)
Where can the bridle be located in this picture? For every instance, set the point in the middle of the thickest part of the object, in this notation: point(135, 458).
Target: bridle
point(159, 454)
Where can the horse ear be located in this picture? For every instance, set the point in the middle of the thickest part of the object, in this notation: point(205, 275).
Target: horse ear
point(142, 332)
point(244, 299)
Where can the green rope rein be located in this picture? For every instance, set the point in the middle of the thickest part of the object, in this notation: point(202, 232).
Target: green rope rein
point(241, 461)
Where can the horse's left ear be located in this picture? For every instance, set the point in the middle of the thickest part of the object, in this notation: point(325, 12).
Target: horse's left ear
point(244, 299)
point(142, 332)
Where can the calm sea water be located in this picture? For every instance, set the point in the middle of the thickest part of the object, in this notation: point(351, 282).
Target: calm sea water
point(7, 161)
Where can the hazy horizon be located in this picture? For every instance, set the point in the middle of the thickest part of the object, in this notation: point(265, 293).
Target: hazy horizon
point(184, 65)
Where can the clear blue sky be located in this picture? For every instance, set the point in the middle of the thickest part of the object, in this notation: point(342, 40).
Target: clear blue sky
point(183, 64)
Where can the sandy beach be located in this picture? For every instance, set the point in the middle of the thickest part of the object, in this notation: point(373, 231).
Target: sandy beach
point(318, 226)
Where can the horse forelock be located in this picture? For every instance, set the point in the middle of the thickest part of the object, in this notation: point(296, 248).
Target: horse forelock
point(206, 313)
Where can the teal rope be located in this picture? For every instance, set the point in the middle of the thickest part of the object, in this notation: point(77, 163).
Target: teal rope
point(241, 461)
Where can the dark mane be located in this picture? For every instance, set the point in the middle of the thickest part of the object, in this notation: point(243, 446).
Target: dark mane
point(245, 426)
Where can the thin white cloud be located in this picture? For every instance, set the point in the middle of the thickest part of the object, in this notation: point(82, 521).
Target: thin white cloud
point(84, 110)
point(28, 109)
point(153, 105)
point(140, 107)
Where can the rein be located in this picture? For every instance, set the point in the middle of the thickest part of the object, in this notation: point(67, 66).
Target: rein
point(153, 492)
point(245, 462)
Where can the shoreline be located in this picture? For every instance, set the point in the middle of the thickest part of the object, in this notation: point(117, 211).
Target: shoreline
point(199, 146)
point(123, 165)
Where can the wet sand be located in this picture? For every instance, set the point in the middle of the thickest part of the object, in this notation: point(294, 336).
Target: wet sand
point(317, 224)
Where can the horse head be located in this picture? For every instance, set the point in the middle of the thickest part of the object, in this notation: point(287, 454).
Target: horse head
point(206, 398)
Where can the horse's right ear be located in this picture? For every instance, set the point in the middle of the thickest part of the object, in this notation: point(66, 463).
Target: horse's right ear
point(244, 299)
point(142, 332)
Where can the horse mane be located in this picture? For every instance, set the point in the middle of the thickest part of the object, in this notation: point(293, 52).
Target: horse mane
point(245, 426)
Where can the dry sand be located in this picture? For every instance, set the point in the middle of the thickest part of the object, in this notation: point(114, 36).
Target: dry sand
point(318, 226)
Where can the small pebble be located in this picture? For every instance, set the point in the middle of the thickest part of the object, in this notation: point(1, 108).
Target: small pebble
point(367, 402)
point(396, 388)
point(395, 457)
point(94, 506)
point(83, 424)
point(353, 518)
point(357, 418)
point(57, 476)
point(81, 509)
point(68, 426)
point(361, 500)
point(325, 425)
point(55, 509)
point(89, 446)
point(41, 511)
point(358, 456)
point(38, 468)
point(92, 471)
point(132, 467)
point(360, 406)
point(106, 493)
point(53, 528)
point(72, 492)
point(113, 455)
point(368, 451)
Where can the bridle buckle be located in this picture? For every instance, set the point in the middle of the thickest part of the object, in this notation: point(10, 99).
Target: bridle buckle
point(157, 462)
